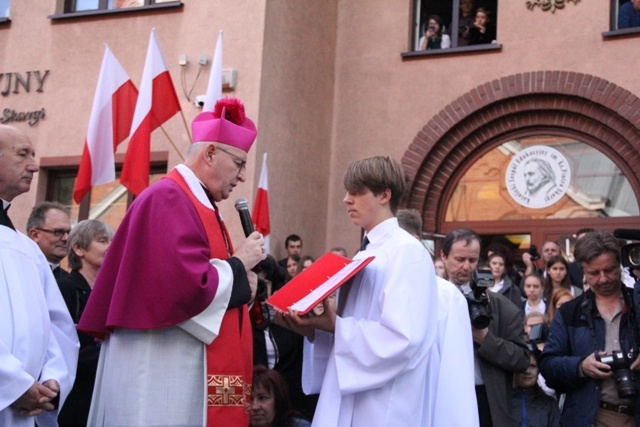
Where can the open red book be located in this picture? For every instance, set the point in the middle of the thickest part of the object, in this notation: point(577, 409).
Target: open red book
point(315, 283)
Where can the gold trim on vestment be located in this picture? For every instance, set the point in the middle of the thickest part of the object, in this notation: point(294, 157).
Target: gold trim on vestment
point(225, 390)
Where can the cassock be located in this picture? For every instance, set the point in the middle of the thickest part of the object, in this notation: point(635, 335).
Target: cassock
point(452, 361)
point(160, 301)
point(375, 369)
point(38, 341)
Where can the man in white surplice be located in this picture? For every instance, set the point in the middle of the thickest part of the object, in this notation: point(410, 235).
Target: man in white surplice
point(453, 363)
point(371, 353)
point(38, 342)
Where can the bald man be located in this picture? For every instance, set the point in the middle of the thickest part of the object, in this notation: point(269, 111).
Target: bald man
point(38, 342)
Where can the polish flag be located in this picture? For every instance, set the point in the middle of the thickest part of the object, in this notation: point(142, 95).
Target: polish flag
point(157, 103)
point(109, 124)
point(260, 215)
point(214, 89)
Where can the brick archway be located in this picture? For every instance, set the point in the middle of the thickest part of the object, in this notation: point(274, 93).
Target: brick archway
point(586, 107)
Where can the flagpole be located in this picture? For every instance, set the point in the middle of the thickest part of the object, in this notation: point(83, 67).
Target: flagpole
point(171, 141)
point(186, 126)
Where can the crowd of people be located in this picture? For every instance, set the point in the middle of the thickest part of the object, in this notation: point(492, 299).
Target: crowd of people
point(181, 335)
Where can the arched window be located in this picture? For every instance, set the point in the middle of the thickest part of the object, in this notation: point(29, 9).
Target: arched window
point(514, 181)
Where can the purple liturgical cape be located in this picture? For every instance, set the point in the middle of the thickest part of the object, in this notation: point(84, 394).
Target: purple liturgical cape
point(157, 271)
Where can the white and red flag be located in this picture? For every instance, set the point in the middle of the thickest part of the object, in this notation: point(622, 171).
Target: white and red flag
point(260, 215)
point(109, 124)
point(214, 88)
point(157, 103)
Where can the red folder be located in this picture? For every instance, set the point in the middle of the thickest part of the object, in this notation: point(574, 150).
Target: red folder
point(315, 283)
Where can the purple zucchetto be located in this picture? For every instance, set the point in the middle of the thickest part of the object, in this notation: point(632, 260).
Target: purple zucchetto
point(227, 124)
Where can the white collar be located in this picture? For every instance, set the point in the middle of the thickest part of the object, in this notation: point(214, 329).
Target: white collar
point(377, 232)
point(194, 185)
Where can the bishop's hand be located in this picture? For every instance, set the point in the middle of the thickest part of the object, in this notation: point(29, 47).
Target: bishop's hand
point(251, 251)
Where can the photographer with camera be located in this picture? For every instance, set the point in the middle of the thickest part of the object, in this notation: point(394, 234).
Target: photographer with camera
point(530, 257)
point(433, 37)
point(592, 347)
point(499, 347)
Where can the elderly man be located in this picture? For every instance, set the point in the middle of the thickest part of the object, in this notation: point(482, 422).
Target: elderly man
point(171, 298)
point(49, 226)
point(499, 348)
point(549, 250)
point(38, 342)
point(585, 332)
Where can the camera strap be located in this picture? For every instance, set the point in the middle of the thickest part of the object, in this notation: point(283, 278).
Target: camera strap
point(587, 310)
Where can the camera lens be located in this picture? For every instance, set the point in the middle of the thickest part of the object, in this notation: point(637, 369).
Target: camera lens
point(479, 317)
point(619, 363)
point(634, 256)
point(624, 383)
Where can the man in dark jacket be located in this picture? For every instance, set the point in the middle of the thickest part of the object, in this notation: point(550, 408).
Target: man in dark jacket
point(595, 328)
point(499, 349)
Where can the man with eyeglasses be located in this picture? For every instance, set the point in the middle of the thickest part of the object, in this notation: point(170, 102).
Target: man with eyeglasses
point(38, 342)
point(49, 226)
point(171, 298)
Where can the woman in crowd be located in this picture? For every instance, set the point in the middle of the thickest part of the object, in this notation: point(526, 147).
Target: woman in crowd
point(87, 246)
point(559, 297)
point(511, 271)
point(533, 286)
point(503, 284)
point(558, 278)
point(305, 262)
point(433, 36)
point(270, 405)
point(292, 266)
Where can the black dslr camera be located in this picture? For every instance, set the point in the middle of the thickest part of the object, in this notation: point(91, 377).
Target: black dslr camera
point(479, 309)
point(533, 251)
point(537, 335)
point(620, 363)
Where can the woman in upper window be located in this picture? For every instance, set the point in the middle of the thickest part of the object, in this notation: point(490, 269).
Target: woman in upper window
point(483, 30)
point(433, 36)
